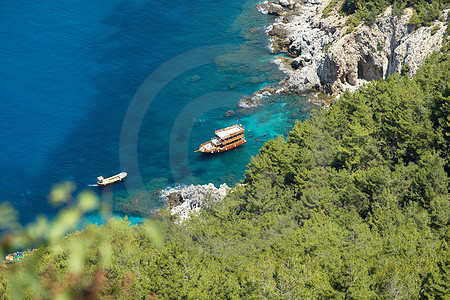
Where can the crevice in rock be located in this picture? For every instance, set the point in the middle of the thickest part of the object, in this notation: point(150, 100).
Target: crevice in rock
point(392, 63)
point(368, 70)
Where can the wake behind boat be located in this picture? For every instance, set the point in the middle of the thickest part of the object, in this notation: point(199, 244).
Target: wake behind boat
point(225, 139)
point(112, 179)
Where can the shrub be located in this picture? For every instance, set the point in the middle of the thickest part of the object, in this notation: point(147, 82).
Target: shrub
point(426, 13)
point(405, 69)
point(367, 10)
point(329, 8)
point(435, 29)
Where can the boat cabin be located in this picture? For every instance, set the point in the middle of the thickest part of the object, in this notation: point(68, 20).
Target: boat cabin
point(225, 139)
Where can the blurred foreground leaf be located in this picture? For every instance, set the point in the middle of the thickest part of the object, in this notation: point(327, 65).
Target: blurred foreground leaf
point(154, 231)
point(87, 201)
point(66, 221)
point(61, 192)
point(78, 255)
point(8, 216)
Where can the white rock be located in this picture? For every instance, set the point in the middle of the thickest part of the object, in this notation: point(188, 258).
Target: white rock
point(275, 8)
point(194, 198)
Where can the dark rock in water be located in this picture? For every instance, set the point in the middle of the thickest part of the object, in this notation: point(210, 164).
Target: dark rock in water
point(247, 102)
point(174, 199)
point(255, 99)
point(254, 29)
point(140, 204)
point(157, 184)
point(262, 119)
point(229, 114)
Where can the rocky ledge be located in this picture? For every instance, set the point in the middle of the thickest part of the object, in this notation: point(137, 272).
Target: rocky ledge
point(183, 201)
point(329, 56)
point(254, 100)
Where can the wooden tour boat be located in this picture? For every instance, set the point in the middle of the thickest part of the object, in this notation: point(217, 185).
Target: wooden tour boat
point(112, 179)
point(225, 139)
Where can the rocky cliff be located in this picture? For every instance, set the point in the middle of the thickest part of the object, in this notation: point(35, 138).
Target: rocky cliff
point(328, 56)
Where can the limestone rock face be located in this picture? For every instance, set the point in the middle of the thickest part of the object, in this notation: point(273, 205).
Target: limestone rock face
point(275, 8)
point(289, 4)
point(190, 199)
point(330, 58)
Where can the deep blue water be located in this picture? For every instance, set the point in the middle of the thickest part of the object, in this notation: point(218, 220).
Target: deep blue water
point(93, 88)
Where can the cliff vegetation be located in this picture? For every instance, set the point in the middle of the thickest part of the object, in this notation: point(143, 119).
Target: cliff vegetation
point(367, 10)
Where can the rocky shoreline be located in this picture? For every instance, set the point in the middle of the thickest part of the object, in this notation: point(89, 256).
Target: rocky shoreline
point(183, 201)
point(327, 56)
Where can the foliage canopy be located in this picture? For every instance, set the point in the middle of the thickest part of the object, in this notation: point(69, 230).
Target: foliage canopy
point(367, 10)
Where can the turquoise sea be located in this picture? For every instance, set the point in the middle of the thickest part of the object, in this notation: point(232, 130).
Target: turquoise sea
point(93, 88)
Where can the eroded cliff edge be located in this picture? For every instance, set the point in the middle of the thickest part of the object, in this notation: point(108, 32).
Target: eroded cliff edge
point(327, 55)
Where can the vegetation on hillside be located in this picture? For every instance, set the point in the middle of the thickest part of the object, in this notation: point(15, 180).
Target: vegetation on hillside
point(353, 204)
point(367, 10)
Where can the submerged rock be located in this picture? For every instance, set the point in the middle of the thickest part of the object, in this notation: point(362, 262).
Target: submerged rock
point(195, 78)
point(139, 204)
point(248, 102)
point(232, 86)
point(229, 114)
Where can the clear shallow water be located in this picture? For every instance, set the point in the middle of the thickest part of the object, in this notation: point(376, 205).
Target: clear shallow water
point(71, 72)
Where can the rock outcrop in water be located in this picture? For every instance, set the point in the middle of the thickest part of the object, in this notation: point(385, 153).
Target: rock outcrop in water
point(329, 57)
point(184, 201)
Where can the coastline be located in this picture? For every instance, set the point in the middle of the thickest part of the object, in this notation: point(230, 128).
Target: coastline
point(326, 57)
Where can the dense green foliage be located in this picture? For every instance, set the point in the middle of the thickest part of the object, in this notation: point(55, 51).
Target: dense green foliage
point(367, 10)
point(353, 204)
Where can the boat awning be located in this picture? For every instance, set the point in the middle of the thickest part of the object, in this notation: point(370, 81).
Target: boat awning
point(223, 134)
